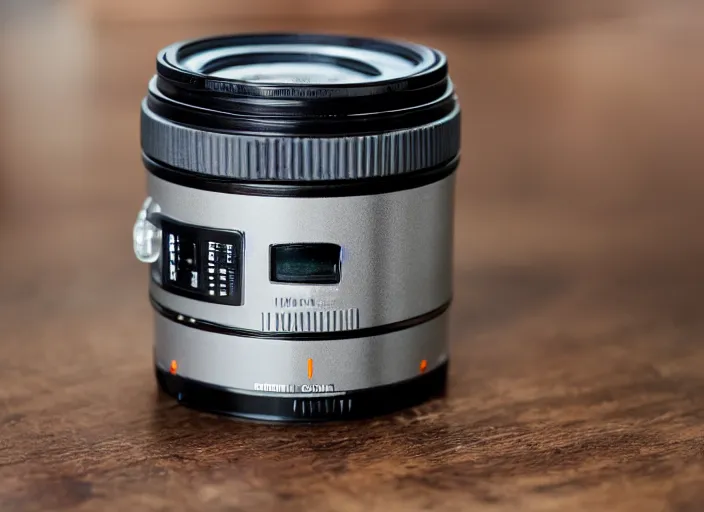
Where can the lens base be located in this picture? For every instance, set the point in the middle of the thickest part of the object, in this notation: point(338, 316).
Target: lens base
point(358, 404)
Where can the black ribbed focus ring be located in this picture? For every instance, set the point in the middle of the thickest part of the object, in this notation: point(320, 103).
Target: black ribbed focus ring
point(263, 157)
point(297, 107)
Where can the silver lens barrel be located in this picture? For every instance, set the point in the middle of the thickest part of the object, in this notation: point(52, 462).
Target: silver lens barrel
point(299, 224)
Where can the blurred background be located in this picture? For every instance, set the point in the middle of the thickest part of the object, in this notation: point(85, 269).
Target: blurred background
point(578, 283)
point(583, 135)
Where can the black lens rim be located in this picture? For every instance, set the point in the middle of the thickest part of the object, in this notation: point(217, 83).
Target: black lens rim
point(299, 118)
point(432, 67)
point(202, 101)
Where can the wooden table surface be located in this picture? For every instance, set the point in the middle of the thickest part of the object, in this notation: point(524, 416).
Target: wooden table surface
point(577, 370)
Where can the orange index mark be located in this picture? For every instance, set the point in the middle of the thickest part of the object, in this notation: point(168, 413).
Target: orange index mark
point(423, 365)
point(310, 369)
point(173, 367)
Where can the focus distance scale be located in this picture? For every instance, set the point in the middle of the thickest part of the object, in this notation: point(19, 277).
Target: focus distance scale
point(298, 224)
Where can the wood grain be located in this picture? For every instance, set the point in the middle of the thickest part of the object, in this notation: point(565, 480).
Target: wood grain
point(577, 327)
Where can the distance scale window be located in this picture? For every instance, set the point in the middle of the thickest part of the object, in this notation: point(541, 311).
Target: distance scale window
point(312, 263)
point(201, 263)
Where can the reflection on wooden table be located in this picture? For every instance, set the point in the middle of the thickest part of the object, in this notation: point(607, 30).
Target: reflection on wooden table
point(576, 379)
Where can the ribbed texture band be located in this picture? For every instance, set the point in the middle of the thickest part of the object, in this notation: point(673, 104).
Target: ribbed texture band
point(311, 321)
point(300, 158)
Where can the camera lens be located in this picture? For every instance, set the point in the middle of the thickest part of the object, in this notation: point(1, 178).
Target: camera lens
point(298, 224)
